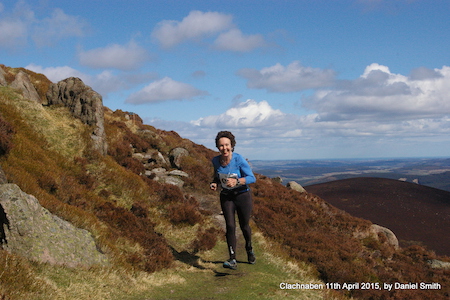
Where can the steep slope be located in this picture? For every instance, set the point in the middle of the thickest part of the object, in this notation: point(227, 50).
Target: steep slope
point(147, 204)
point(414, 212)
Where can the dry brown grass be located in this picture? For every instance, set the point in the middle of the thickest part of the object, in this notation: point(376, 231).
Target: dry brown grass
point(18, 278)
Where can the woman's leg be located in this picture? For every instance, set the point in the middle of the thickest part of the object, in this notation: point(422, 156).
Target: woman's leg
point(228, 209)
point(244, 206)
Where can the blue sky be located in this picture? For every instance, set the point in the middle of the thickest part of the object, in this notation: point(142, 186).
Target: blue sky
point(291, 79)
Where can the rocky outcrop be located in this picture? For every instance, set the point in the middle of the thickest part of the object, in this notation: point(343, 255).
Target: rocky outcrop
point(277, 179)
point(151, 158)
point(176, 155)
point(390, 236)
point(292, 185)
point(171, 177)
point(29, 230)
point(375, 231)
point(22, 82)
point(84, 103)
point(156, 165)
point(439, 264)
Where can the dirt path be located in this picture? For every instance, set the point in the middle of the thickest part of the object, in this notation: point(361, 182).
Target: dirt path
point(202, 276)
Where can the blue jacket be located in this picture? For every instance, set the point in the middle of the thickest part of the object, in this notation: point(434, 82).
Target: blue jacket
point(238, 166)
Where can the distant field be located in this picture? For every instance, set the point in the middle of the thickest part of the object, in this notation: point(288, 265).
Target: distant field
point(432, 172)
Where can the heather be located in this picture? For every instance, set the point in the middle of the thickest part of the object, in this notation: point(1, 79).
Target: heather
point(313, 231)
point(162, 238)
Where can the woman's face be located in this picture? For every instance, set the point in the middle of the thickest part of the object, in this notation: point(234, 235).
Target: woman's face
point(224, 146)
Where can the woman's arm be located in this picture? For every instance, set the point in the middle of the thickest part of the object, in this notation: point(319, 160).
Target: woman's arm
point(247, 175)
point(215, 182)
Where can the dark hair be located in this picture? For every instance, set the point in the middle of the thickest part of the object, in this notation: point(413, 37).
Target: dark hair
point(226, 134)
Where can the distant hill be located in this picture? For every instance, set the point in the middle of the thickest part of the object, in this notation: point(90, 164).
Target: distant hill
point(432, 172)
point(413, 212)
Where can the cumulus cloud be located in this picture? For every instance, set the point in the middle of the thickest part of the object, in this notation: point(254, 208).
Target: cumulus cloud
point(195, 26)
point(21, 24)
point(198, 26)
point(56, 74)
point(58, 26)
point(292, 78)
point(423, 73)
point(104, 83)
point(268, 133)
point(379, 94)
point(235, 40)
point(15, 26)
point(163, 90)
point(245, 114)
point(122, 57)
point(13, 33)
point(355, 118)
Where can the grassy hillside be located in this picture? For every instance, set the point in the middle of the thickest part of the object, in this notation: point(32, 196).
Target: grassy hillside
point(167, 242)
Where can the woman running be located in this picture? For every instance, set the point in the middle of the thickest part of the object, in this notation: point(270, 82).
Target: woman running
point(233, 173)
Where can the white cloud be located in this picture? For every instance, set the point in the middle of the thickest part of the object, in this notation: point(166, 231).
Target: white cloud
point(15, 26)
point(235, 40)
point(163, 90)
point(59, 26)
point(248, 114)
point(104, 83)
point(423, 73)
point(122, 57)
point(18, 26)
point(292, 78)
point(381, 95)
point(13, 33)
point(196, 25)
point(56, 74)
point(267, 133)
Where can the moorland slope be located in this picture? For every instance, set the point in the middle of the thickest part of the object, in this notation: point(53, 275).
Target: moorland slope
point(416, 213)
point(146, 203)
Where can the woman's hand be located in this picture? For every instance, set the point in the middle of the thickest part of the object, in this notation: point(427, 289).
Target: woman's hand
point(213, 186)
point(232, 182)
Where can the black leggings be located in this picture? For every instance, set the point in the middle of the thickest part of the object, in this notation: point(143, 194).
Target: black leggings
point(242, 204)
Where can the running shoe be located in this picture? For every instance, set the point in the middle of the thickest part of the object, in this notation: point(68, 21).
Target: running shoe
point(230, 264)
point(251, 257)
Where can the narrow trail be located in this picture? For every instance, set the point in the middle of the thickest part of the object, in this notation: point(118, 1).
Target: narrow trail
point(201, 276)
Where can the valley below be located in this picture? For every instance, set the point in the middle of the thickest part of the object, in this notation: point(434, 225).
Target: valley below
point(432, 172)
